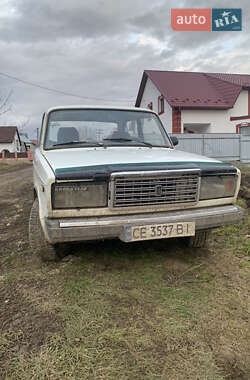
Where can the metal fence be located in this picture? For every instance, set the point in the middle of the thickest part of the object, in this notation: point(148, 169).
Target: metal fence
point(223, 146)
point(17, 155)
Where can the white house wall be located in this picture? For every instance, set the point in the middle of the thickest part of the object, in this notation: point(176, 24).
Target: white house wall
point(16, 144)
point(219, 120)
point(151, 94)
point(6, 146)
point(241, 105)
point(166, 117)
point(11, 147)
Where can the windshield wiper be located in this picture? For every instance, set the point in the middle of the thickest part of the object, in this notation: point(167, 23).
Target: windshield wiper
point(95, 143)
point(124, 139)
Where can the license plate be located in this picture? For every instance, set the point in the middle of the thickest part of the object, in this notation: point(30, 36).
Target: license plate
point(158, 231)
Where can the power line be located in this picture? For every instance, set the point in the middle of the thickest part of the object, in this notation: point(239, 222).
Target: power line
point(59, 91)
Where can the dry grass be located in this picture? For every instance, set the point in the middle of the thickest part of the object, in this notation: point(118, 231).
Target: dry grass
point(11, 165)
point(145, 311)
point(149, 310)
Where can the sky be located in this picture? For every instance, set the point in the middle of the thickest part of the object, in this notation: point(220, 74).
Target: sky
point(97, 51)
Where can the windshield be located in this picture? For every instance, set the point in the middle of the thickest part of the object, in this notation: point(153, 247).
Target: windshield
point(103, 127)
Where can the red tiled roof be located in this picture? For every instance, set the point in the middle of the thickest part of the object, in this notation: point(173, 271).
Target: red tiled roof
point(7, 134)
point(240, 79)
point(196, 90)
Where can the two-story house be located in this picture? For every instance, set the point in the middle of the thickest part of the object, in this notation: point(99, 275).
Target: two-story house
point(192, 102)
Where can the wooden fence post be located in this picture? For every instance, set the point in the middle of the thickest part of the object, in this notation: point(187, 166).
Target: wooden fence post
point(15, 154)
point(3, 153)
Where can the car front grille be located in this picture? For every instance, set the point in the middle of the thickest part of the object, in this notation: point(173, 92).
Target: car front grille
point(168, 189)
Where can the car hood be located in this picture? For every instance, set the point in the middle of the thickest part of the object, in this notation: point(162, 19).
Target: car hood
point(85, 157)
point(80, 160)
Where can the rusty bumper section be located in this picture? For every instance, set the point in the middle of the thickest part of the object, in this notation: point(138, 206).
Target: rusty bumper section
point(96, 228)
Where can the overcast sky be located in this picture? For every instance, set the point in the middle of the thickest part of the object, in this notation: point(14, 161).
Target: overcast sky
point(98, 49)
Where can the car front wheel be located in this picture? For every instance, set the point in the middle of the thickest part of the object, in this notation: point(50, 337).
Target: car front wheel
point(38, 243)
point(199, 240)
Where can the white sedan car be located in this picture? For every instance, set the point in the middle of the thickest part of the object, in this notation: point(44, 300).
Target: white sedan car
point(108, 172)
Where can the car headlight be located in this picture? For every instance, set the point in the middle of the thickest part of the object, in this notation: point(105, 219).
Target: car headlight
point(79, 195)
point(221, 186)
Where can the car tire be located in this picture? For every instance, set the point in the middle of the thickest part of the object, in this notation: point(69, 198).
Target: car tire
point(38, 244)
point(199, 240)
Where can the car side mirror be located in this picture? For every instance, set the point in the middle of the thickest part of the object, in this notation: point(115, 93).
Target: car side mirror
point(174, 140)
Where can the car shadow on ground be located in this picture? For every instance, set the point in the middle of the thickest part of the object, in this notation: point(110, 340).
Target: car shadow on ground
point(116, 252)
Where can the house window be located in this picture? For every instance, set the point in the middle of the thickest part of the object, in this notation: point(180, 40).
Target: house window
point(150, 105)
point(160, 104)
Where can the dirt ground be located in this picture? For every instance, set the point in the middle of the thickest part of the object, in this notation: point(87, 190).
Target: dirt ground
point(16, 200)
point(10, 165)
point(112, 310)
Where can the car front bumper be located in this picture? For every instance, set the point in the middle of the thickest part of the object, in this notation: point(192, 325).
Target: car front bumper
point(108, 227)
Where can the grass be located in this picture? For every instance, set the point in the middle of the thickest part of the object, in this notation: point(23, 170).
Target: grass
point(149, 310)
point(236, 237)
point(11, 165)
point(143, 311)
point(244, 168)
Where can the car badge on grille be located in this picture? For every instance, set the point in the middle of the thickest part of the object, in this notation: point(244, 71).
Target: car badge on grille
point(158, 190)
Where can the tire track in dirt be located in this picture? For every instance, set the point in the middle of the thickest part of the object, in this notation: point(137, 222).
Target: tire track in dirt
point(23, 324)
point(7, 179)
point(16, 192)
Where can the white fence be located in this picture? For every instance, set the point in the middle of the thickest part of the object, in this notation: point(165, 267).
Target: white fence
point(223, 146)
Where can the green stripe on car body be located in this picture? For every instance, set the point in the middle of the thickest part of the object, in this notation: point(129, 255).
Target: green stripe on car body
point(96, 167)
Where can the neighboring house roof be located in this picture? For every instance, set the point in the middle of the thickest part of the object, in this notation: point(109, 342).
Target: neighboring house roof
point(34, 141)
point(196, 90)
point(7, 134)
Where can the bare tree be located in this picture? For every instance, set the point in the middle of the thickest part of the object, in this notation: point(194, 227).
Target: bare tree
point(5, 106)
point(22, 125)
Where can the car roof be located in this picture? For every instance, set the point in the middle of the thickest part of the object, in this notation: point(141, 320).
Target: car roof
point(70, 107)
